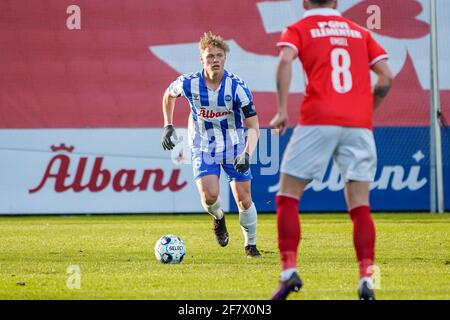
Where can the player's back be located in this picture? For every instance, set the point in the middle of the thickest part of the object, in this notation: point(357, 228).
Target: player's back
point(336, 55)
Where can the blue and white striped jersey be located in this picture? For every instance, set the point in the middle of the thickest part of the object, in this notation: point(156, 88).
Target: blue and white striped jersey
point(216, 119)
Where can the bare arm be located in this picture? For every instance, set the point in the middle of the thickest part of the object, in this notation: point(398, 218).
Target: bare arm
point(384, 83)
point(252, 124)
point(283, 80)
point(168, 105)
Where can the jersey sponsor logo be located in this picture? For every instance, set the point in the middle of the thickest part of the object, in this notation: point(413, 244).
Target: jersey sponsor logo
point(334, 28)
point(211, 114)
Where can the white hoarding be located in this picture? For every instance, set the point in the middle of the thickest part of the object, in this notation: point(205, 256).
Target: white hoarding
point(86, 171)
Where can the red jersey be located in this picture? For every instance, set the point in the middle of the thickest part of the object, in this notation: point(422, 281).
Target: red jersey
point(336, 55)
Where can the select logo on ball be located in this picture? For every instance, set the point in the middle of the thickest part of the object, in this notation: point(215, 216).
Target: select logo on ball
point(170, 249)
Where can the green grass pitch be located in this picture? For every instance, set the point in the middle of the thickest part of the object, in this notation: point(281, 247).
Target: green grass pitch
point(116, 259)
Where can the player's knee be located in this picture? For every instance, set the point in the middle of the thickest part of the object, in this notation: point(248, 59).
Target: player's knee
point(244, 202)
point(210, 198)
point(357, 200)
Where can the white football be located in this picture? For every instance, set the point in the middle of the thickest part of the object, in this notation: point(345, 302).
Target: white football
point(170, 249)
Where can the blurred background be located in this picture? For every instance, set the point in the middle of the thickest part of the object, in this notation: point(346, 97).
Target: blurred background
point(81, 89)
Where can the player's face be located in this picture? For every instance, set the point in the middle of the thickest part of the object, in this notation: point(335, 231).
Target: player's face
point(213, 60)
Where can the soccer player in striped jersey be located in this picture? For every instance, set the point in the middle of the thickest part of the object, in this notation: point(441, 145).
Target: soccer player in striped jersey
point(336, 118)
point(221, 105)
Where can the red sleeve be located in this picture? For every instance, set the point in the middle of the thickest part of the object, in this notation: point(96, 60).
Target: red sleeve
point(290, 38)
point(375, 50)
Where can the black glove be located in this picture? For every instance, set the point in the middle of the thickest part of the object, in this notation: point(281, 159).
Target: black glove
point(166, 141)
point(242, 163)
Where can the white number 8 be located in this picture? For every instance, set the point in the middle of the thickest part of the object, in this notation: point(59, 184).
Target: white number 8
point(341, 69)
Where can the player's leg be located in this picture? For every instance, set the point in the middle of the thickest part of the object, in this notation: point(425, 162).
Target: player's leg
point(288, 221)
point(356, 157)
point(248, 217)
point(357, 197)
point(289, 231)
point(208, 189)
point(306, 158)
point(240, 187)
point(206, 175)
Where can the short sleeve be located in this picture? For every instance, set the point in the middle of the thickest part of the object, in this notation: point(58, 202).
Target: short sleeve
point(290, 38)
point(375, 51)
point(244, 100)
point(176, 88)
point(243, 95)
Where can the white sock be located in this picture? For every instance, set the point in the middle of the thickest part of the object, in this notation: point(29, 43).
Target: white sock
point(248, 220)
point(368, 280)
point(214, 209)
point(286, 274)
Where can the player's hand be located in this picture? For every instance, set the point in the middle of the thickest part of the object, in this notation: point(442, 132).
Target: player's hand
point(242, 162)
point(280, 122)
point(168, 133)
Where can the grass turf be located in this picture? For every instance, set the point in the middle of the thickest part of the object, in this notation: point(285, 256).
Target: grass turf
point(115, 256)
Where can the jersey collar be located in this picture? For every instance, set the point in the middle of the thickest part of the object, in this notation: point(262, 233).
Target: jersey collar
point(222, 82)
point(321, 12)
point(225, 74)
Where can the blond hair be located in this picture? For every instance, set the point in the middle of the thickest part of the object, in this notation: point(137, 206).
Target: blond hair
point(210, 39)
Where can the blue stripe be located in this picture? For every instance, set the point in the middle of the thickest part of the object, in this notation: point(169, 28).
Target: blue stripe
point(237, 113)
point(188, 94)
point(187, 90)
point(221, 96)
point(194, 114)
point(204, 101)
point(211, 138)
point(236, 104)
point(226, 136)
point(197, 135)
point(248, 93)
point(233, 88)
point(244, 87)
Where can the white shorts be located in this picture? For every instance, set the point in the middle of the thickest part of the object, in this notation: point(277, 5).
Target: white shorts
point(310, 149)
